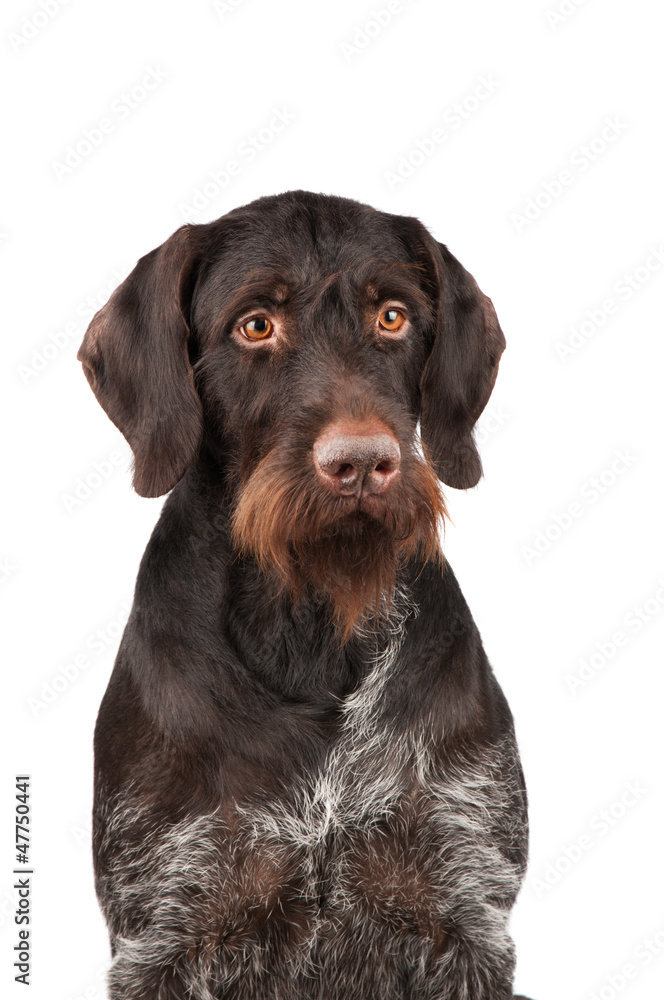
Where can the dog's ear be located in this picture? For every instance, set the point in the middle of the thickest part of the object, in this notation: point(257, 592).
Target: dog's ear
point(135, 357)
point(460, 372)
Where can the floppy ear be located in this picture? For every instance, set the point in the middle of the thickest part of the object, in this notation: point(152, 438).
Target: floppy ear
point(459, 374)
point(135, 357)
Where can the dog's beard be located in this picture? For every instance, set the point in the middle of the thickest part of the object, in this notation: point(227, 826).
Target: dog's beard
point(349, 551)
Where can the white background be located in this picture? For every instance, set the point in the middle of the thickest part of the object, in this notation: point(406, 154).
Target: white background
point(552, 425)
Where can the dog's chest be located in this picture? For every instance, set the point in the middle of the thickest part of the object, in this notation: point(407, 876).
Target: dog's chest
point(360, 830)
point(382, 830)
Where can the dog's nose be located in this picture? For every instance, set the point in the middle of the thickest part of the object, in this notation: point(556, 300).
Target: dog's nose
point(354, 463)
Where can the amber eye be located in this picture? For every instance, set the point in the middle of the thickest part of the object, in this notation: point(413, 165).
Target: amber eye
point(392, 320)
point(258, 328)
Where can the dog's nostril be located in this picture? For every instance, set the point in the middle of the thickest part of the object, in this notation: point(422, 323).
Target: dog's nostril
point(357, 463)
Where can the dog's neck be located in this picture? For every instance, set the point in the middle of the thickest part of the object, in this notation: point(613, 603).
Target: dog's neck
point(276, 652)
point(292, 647)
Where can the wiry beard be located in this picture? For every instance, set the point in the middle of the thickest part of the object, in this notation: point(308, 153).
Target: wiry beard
point(349, 551)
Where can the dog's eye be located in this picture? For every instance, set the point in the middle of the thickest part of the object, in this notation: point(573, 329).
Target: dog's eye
point(258, 328)
point(391, 320)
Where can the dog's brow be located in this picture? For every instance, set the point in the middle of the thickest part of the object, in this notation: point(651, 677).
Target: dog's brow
point(260, 290)
point(394, 280)
point(262, 287)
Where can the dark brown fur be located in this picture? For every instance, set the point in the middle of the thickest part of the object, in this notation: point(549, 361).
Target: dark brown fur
point(306, 779)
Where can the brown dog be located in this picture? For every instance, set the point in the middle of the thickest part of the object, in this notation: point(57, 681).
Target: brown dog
point(307, 783)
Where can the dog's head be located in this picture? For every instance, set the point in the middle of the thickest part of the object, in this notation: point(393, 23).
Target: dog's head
point(296, 342)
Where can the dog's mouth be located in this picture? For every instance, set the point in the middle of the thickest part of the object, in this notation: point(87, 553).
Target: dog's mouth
point(353, 512)
point(348, 548)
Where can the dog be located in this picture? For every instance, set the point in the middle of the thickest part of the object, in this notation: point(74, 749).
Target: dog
point(307, 783)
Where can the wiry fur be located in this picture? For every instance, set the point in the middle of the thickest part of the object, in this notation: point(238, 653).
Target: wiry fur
point(307, 785)
point(308, 537)
point(382, 840)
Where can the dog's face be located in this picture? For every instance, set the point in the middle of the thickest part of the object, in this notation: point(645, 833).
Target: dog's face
point(298, 341)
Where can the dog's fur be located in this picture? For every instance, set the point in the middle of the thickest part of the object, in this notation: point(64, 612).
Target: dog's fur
point(306, 781)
